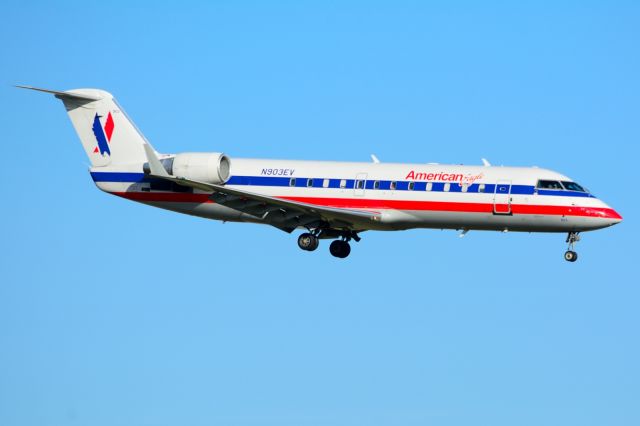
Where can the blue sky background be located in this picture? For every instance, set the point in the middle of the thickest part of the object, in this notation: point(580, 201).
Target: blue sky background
point(114, 313)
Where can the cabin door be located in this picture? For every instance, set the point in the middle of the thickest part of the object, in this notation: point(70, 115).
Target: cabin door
point(502, 197)
point(360, 184)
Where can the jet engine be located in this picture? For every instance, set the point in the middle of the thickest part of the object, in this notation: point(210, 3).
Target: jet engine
point(208, 167)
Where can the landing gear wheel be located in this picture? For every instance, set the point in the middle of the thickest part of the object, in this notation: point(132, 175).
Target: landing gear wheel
point(308, 242)
point(570, 256)
point(339, 248)
point(346, 249)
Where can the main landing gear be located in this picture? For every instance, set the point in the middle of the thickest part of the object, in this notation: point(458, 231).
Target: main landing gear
point(339, 248)
point(570, 255)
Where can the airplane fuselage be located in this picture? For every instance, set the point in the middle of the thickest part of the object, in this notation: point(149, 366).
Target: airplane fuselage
point(405, 195)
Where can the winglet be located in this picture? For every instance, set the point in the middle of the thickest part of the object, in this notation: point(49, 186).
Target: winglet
point(154, 164)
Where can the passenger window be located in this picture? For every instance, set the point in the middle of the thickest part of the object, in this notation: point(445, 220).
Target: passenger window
point(549, 184)
point(292, 182)
point(376, 184)
point(447, 187)
point(429, 186)
point(393, 185)
point(360, 184)
point(572, 186)
point(343, 183)
point(411, 186)
point(309, 183)
point(481, 187)
point(325, 183)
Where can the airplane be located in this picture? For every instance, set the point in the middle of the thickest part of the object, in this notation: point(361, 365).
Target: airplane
point(327, 200)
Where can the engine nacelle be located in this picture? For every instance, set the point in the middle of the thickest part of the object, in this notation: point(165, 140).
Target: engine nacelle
point(208, 167)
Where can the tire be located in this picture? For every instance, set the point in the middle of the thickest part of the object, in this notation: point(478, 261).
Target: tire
point(335, 248)
point(315, 244)
point(307, 242)
point(570, 256)
point(340, 249)
point(346, 250)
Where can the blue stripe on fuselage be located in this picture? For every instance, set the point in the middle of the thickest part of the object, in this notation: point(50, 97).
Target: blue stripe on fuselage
point(302, 182)
point(118, 177)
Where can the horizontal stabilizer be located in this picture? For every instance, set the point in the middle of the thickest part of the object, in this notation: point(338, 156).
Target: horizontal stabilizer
point(61, 95)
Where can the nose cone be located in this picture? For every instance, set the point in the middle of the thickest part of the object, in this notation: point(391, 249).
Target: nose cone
point(601, 215)
point(614, 217)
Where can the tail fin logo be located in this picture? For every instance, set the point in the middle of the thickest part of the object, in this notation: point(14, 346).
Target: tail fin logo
point(103, 134)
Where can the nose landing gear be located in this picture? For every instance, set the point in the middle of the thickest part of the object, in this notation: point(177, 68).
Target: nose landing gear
point(570, 255)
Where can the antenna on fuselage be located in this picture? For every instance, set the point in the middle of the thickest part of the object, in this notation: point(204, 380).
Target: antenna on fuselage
point(486, 163)
point(374, 159)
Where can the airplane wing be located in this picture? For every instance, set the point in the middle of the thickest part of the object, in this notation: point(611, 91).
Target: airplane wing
point(280, 212)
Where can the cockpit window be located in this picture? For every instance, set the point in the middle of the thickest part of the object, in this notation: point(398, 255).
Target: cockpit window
point(572, 186)
point(549, 184)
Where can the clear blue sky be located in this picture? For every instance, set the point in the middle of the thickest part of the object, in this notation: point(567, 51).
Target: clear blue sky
point(115, 313)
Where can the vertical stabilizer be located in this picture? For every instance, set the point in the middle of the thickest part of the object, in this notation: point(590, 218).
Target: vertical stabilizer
point(107, 134)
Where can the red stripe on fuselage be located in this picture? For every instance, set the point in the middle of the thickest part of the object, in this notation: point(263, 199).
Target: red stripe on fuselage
point(378, 204)
point(363, 203)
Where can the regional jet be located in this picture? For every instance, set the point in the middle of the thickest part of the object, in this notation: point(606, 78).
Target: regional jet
point(329, 200)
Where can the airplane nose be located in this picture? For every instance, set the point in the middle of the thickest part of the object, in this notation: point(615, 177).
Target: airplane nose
point(605, 215)
point(615, 217)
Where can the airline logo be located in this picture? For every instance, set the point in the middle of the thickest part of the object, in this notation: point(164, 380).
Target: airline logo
point(446, 177)
point(103, 134)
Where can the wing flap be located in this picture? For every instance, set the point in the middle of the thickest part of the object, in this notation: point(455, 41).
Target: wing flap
point(292, 211)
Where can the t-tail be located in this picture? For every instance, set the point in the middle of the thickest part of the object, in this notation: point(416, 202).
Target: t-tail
point(107, 134)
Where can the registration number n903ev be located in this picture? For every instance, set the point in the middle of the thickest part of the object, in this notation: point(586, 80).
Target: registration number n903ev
point(277, 172)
